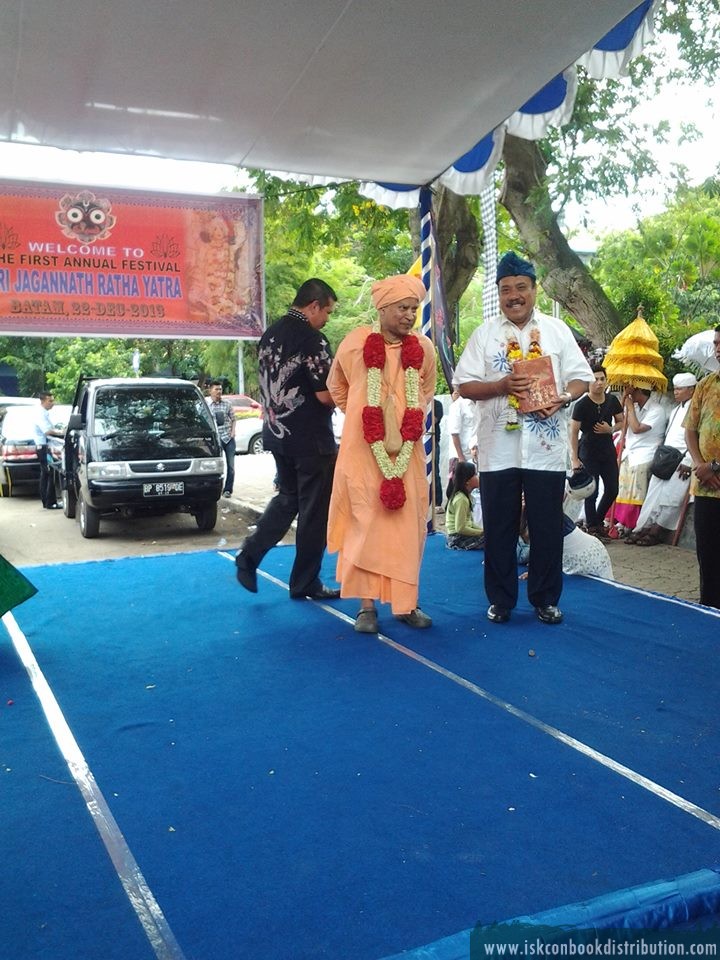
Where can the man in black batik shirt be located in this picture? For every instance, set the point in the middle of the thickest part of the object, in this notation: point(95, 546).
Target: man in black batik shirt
point(294, 360)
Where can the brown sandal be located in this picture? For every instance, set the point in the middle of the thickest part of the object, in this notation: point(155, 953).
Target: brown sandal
point(649, 540)
point(636, 536)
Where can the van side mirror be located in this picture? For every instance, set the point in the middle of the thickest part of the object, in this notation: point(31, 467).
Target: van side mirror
point(75, 422)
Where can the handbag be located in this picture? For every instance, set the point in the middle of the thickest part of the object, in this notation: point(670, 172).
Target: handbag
point(665, 461)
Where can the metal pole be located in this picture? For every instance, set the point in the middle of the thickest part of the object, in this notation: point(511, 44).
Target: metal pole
point(241, 371)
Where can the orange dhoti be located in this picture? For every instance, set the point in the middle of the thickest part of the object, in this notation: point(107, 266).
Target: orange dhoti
point(379, 550)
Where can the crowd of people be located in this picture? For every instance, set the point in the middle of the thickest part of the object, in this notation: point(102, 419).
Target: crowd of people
point(535, 464)
point(630, 467)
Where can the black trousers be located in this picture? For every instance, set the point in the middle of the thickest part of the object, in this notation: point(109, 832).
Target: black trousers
point(305, 485)
point(707, 538)
point(603, 467)
point(47, 480)
point(502, 493)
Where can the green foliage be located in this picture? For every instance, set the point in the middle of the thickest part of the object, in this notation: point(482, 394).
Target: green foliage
point(604, 151)
point(56, 363)
point(31, 358)
point(336, 220)
point(470, 308)
point(77, 357)
point(671, 263)
point(630, 279)
point(696, 28)
point(170, 358)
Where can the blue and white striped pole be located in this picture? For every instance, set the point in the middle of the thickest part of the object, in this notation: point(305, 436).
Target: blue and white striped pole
point(428, 327)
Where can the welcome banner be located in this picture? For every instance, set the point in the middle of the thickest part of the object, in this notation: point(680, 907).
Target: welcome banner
point(98, 261)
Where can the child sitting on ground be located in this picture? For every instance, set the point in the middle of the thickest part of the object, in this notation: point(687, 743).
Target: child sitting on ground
point(462, 531)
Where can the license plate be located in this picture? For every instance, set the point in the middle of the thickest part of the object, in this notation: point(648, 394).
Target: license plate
point(167, 488)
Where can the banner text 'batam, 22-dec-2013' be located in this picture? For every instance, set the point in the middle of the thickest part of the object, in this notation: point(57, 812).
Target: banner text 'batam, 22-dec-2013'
point(106, 262)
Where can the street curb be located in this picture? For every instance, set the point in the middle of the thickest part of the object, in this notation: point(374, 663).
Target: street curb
point(249, 511)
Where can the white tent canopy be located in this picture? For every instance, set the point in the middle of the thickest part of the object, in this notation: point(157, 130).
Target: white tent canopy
point(387, 90)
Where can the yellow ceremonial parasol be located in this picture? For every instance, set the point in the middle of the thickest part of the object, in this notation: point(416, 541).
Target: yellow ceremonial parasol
point(633, 360)
point(416, 271)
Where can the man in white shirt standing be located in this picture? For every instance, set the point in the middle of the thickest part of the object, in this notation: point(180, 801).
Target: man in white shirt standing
point(42, 429)
point(660, 513)
point(645, 428)
point(521, 455)
point(463, 425)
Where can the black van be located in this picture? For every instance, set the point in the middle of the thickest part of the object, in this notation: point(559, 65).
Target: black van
point(140, 446)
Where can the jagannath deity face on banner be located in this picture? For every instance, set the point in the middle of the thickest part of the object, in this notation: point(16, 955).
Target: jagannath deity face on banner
point(85, 217)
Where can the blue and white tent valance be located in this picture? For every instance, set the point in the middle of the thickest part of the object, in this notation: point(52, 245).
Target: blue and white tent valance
point(552, 106)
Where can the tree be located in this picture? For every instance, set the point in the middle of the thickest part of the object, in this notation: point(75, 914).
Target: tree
point(564, 276)
point(302, 221)
point(602, 151)
point(459, 242)
point(78, 357)
point(675, 274)
point(57, 362)
point(32, 358)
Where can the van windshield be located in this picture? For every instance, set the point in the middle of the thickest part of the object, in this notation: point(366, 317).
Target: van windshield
point(143, 423)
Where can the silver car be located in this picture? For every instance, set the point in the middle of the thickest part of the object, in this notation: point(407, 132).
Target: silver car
point(19, 463)
point(248, 435)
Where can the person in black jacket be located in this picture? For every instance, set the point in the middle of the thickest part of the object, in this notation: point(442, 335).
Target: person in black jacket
point(293, 363)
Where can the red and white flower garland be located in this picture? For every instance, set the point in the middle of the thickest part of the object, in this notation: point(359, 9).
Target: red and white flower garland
point(392, 488)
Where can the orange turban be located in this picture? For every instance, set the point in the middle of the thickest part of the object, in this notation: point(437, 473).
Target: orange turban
point(397, 288)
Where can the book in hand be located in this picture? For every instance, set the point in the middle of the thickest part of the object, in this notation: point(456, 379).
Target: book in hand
point(543, 389)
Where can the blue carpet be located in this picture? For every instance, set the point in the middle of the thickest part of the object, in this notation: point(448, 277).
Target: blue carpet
point(60, 898)
point(291, 788)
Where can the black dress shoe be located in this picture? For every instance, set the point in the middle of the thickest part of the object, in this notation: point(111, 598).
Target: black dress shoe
point(549, 614)
point(245, 570)
point(497, 614)
point(320, 593)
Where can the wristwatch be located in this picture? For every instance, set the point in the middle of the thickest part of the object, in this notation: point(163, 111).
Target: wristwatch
point(715, 466)
point(567, 397)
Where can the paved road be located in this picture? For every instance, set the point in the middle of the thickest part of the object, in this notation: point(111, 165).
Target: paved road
point(30, 535)
point(663, 569)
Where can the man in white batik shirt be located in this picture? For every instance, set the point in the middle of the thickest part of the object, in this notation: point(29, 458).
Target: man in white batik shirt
point(521, 457)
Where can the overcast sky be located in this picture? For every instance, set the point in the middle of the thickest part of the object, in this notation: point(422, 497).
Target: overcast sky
point(699, 105)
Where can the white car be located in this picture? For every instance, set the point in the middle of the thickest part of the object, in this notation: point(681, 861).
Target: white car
point(248, 435)
point(7, 402)
point(19, 462)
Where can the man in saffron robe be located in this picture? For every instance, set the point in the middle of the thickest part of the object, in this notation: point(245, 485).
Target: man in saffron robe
point(383, 378)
